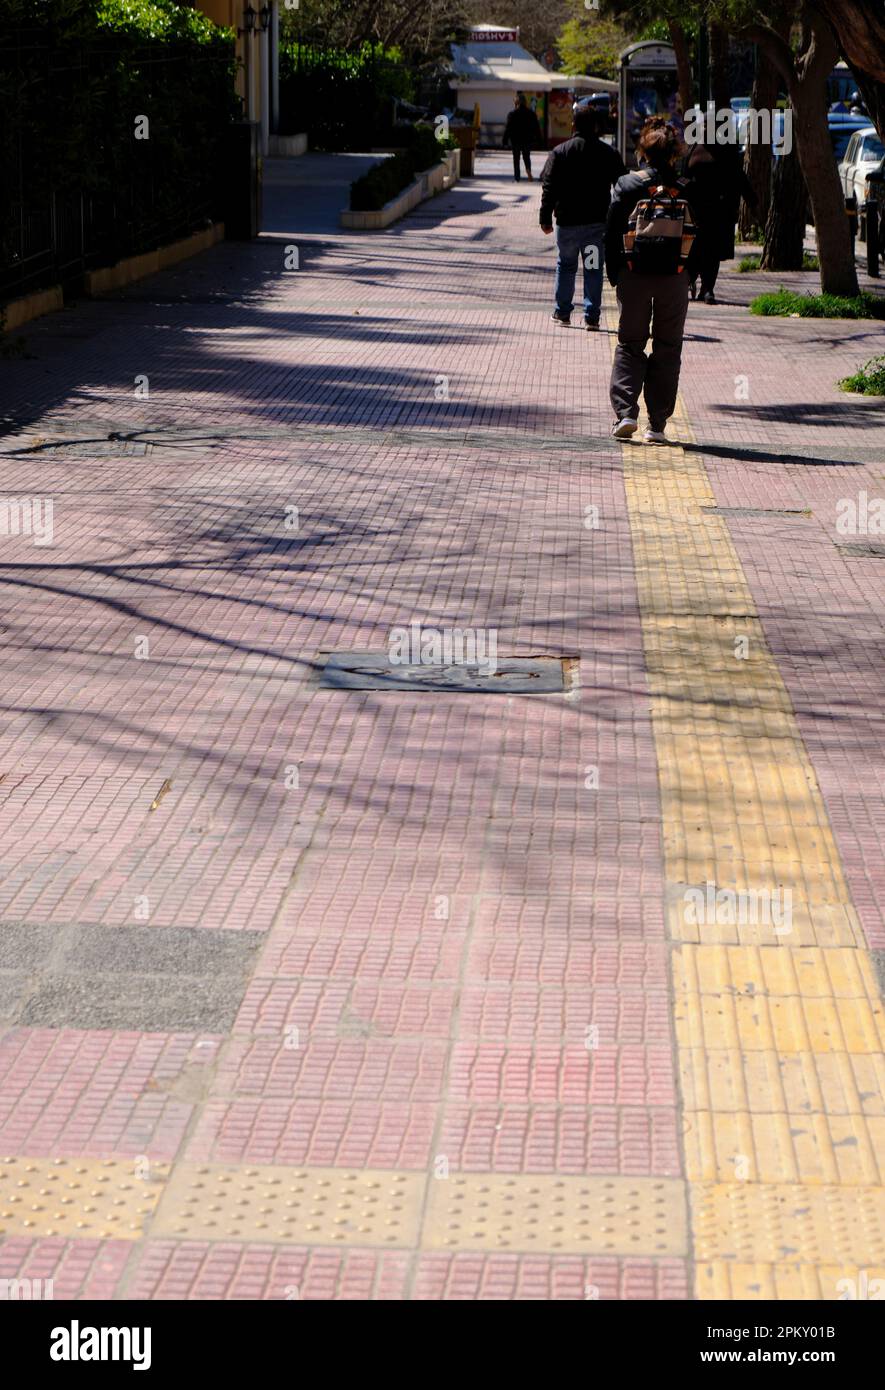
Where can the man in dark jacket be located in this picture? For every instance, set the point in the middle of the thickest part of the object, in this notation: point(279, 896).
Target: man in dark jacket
point(521, 131)
point(575, 189)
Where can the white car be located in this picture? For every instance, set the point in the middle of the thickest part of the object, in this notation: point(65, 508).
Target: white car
point(863, 156)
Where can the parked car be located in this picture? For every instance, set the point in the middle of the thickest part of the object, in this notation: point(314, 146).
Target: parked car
point(864, 154)
point(842, 126)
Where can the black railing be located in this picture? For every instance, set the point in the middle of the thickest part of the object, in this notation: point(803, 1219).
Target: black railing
point(77, 189)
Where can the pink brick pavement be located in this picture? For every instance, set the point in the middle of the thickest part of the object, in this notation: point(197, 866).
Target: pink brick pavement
point(419, 1033)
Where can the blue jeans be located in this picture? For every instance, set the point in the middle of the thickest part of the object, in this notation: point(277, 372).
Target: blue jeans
point(584, 243)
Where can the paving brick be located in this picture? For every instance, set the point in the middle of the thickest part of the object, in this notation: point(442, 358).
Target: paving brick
point(455, 914)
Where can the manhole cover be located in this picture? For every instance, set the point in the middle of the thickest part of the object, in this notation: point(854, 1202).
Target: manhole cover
point(757, 511)
point(512, 675)
point(875, 548)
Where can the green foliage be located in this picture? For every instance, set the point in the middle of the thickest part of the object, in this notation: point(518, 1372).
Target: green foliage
point(592, 44)
point(386, 180)
point(786, 303)
point(809, 262)
point(157, 19)
point(868, 380)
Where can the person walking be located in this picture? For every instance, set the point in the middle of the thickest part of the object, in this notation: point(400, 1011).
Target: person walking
point(648, 259)
point(521, 131)
point(717, 175)
point(576, 189)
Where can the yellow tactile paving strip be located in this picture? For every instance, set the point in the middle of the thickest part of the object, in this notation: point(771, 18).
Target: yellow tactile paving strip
point(77, 1197)
point(780, 1028)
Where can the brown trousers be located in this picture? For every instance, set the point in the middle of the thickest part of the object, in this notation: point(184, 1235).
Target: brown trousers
point(653, 305)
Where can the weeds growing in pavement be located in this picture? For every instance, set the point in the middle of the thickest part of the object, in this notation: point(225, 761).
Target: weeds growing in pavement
point(868, 380)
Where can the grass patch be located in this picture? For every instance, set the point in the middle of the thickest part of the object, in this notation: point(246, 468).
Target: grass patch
point(788, 304)
point(809, 262)
point(868, 380)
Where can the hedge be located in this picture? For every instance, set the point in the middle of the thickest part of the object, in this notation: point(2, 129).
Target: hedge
point(386, 180)
point(341, 100)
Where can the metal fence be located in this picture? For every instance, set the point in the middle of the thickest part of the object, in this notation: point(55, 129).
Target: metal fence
point(134, 196)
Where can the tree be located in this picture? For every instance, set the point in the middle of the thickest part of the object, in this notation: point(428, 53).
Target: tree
point(785, 220)
point(680, 41)
point(804, 69)
point(719, 88)
point(859, 26)
point(592, 44)
point(423, 32)
point(539, 24)
point(757, 160)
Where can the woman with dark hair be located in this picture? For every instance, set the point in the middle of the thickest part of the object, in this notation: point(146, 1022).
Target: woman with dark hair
point(648, 260)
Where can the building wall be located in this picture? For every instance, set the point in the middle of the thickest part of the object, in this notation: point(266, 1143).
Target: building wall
point(252, 53)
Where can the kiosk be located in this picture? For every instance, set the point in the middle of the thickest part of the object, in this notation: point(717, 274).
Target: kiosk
point(649, 87)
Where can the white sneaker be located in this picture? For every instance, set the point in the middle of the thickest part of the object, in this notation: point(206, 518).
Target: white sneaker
point(655, 437)
point(622, 429)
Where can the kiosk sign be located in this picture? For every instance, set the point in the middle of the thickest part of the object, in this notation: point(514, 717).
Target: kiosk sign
point(494, 36)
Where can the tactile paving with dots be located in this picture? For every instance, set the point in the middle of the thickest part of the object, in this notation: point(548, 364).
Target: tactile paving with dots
point(73, 1197)
point(316, 1206)
point(577, 1215)
point(784, 1221)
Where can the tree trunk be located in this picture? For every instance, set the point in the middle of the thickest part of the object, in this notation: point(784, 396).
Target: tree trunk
point(785, 223)
point(806, 72)
point(838, 272)
point(719, 84)
point(860, 26)
point(683, 63)
point(757, 160)
point(873, 93)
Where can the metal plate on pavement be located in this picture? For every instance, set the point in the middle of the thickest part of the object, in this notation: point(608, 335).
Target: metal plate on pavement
point(510, 675)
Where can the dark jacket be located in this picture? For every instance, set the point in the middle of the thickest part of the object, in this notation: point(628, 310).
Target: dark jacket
point(521, 128)
point(719, 182)
point(627, 193)
point(577, 181)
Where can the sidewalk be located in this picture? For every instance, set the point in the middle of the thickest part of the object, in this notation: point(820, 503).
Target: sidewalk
point(315, 993)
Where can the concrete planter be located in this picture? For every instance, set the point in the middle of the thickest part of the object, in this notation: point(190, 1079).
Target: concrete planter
point(286, 146)
point(114, 277)
point(31, 306)
point(426, 185)
point(111, 277)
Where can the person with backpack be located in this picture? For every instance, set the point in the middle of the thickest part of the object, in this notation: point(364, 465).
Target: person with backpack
point(521, 131)
point(576, 189)
point(649, 238)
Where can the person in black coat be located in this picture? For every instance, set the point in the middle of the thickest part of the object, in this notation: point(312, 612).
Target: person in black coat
point(521, 131)
point(718, 184)
point(576, 189)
